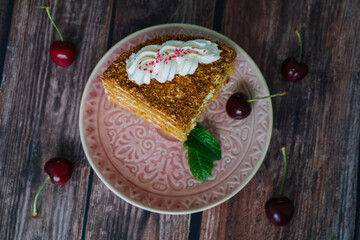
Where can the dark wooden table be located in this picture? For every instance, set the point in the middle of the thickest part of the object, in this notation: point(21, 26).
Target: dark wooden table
point(318, 121)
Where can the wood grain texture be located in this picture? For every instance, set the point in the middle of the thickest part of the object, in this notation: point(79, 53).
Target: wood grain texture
point(131, 15)
point(6, 9)
point(122, 220)
point(39, 117)
point(318, 120)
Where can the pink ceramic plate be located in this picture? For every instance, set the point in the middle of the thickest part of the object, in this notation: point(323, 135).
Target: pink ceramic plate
point(148, 169)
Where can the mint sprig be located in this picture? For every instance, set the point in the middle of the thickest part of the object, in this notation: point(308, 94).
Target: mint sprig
point(203, 149)
point(200, 165)
point(203, 142)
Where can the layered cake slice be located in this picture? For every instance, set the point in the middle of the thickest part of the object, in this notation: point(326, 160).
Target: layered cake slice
point(169, 80)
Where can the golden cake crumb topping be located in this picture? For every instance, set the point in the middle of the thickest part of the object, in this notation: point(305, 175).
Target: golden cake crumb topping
point(181, 98)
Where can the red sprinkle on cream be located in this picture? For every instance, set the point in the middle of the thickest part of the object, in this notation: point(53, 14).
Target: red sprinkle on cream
point(166, 56)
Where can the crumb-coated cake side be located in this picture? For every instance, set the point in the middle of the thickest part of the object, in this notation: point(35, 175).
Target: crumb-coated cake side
point(175, 105)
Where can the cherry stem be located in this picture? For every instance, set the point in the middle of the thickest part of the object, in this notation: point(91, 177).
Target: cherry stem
point(284, 175)
point(47, 7)
point(300, 42)
point(37, 195)
point(274, 95)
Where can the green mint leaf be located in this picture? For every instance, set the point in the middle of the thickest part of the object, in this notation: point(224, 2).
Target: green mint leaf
point(200, 165)
point(203, 142)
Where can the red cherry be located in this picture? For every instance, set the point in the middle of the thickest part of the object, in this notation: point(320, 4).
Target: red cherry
point(60, 170)
point(62, 53)
point(237, 106)
point(294, 71)
point(279, 210)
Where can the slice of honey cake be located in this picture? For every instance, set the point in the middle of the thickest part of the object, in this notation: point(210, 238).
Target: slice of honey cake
point(169, 80)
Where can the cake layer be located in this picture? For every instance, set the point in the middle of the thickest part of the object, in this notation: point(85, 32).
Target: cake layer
point(174, 106)
point(158, 119)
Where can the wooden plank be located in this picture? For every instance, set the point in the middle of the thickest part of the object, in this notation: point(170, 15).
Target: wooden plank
point(39, 118)
point(318, 121)
point(39, 105)
point(122, 220)
point(6, 8)
point(137, 15)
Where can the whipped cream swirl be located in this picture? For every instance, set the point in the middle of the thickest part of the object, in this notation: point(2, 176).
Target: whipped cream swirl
point(162, 62)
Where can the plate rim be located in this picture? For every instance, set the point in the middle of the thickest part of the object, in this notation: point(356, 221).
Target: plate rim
point(86, 90)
